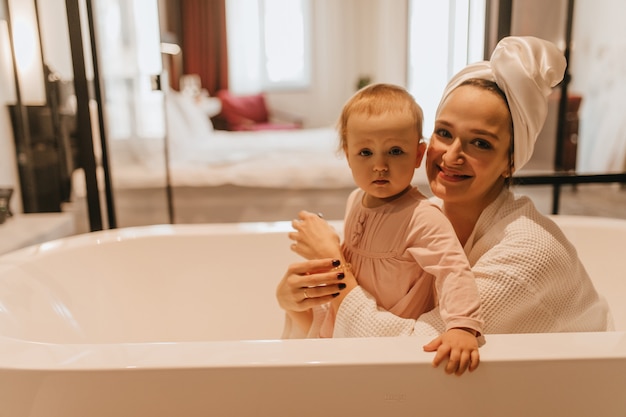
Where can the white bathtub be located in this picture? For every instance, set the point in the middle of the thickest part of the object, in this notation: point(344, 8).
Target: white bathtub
point(182, 321)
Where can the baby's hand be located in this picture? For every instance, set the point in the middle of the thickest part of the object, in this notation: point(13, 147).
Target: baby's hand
point(314, 237)
point(460, 346)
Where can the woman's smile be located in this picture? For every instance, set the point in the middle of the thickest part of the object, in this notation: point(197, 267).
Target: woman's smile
point(451, 175)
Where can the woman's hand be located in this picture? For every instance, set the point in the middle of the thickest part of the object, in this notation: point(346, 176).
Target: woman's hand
point(309, 284)
point(314, 237)
point(460, 346)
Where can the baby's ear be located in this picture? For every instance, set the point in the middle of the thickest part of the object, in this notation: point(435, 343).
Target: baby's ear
point(421, 151)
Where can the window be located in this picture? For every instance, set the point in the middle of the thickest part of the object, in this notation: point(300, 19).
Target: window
point(269, 44)
point(444, 36)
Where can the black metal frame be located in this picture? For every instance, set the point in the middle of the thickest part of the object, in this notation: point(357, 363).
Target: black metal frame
point(559, 179)
point(87, 157)
point(82, 88)
point(97, 87)
point(83, 93)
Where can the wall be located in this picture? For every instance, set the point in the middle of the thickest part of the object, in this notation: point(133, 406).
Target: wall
point(598, 65)
point(352, 38)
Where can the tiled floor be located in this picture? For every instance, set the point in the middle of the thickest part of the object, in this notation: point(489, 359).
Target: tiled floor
point(236, 204)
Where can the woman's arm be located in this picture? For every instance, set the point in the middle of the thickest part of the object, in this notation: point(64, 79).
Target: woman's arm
point(359, 316)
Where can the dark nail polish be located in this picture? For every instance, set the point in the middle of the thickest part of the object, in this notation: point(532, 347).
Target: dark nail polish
point(341, 285)
point(335, 294)
point(341, 275)
point(336, 262)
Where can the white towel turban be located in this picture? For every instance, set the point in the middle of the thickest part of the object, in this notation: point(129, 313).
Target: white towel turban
point(525, 68)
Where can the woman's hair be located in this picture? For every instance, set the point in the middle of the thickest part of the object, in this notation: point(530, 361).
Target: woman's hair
point(493, 87)
point(377, 99)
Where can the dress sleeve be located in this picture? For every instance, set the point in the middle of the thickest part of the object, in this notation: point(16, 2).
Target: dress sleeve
point(434, 246)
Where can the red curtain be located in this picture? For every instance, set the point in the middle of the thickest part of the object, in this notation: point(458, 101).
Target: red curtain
point(203, 33)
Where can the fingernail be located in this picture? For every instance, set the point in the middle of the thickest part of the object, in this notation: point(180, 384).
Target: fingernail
point(335, 294)
point(341, 275)
point(341, 285)
point(336, 262)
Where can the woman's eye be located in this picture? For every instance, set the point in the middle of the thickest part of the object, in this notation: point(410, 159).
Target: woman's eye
point(396, 151)
point(443, 133)
point(365, 152)
point(482, 144)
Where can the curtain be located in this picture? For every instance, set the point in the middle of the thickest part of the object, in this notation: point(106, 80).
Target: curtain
point(203, 33)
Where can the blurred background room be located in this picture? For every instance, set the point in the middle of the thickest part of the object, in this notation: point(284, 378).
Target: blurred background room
point(122, 113)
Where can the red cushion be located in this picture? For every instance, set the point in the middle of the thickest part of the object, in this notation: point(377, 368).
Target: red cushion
point(242, 110)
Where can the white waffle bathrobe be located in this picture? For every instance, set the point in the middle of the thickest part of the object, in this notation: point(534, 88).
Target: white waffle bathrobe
point(528, 274)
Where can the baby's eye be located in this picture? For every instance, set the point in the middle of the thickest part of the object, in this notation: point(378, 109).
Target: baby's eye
point(396, 151)
point(365, 152)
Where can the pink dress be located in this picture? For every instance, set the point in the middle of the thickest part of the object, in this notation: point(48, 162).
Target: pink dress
point(407, 256)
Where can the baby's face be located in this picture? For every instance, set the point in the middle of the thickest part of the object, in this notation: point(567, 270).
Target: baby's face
point(383, 152)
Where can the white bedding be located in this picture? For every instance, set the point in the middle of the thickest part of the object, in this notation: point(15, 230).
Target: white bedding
point(280, 159)
point(201, 156)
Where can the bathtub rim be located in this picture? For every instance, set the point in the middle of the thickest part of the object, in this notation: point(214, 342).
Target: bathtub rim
point(24, 355)
point(139, 232)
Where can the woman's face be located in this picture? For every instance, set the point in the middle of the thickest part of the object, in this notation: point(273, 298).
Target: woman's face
point(468, 155)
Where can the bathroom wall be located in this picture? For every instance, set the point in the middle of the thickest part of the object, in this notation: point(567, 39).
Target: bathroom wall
point(352, 38)
point(598, 66)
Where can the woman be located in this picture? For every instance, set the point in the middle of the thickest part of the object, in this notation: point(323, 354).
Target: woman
point(528, 274)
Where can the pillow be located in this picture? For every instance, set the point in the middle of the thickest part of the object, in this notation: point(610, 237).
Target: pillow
point(242, 110)
point(185, 119)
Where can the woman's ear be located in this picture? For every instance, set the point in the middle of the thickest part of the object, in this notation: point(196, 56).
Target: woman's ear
point(509, 172)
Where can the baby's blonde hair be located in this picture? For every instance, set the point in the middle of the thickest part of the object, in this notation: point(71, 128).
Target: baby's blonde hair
point(377, 99)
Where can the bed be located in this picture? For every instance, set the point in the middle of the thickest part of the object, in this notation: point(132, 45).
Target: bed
point(303, 163)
